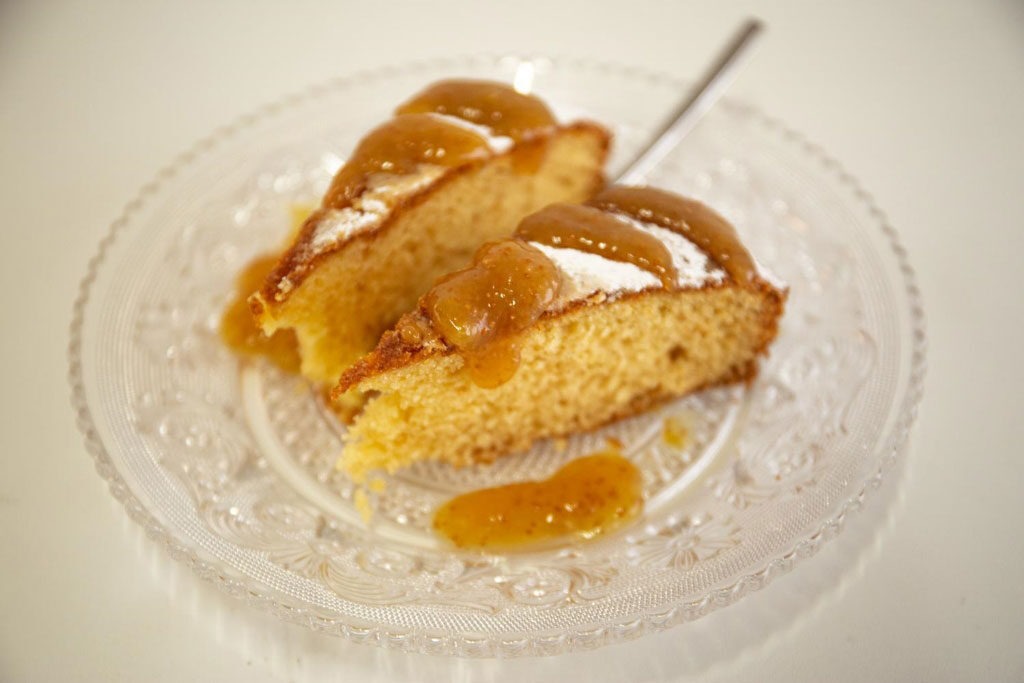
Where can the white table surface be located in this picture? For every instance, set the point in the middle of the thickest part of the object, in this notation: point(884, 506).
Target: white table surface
point(923, 101)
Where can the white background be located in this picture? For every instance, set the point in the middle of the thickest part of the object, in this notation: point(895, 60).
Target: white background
point(923, 101)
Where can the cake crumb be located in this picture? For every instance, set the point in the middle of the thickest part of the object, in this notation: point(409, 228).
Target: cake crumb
point(675, 432)
point(377, 485)
point(362, 503)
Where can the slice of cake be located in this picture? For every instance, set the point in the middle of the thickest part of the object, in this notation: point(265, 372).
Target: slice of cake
point(460, 164)
point(591, 313)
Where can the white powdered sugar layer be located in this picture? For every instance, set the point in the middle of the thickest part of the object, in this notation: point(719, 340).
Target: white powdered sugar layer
point(368, 210)
point(586, 274)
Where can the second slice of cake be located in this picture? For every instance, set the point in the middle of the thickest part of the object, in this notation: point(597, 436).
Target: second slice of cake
point(461, 163)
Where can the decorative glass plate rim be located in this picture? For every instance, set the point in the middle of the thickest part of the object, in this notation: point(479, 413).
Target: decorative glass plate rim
point(255, 594)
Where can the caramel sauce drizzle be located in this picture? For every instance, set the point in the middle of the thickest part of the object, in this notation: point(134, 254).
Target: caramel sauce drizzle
point(415, 137)
point(588, 229)
point(481, 310)
point(398, 147)
point(238, 329)
point(587, 497)
point(695, 221)
point(495, 105)
point(486, 103)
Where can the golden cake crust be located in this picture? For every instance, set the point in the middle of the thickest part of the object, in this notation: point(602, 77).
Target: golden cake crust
point(394, 352)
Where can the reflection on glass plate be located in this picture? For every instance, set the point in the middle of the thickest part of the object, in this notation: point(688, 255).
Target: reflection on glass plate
point(230, 466)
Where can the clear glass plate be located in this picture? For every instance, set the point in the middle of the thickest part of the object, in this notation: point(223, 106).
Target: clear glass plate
point(230, 466)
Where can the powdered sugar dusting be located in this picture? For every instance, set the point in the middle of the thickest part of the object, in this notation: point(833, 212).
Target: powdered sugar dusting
point(497, 143)
point(369, 209)
point(694, 266)
point(586, 274)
